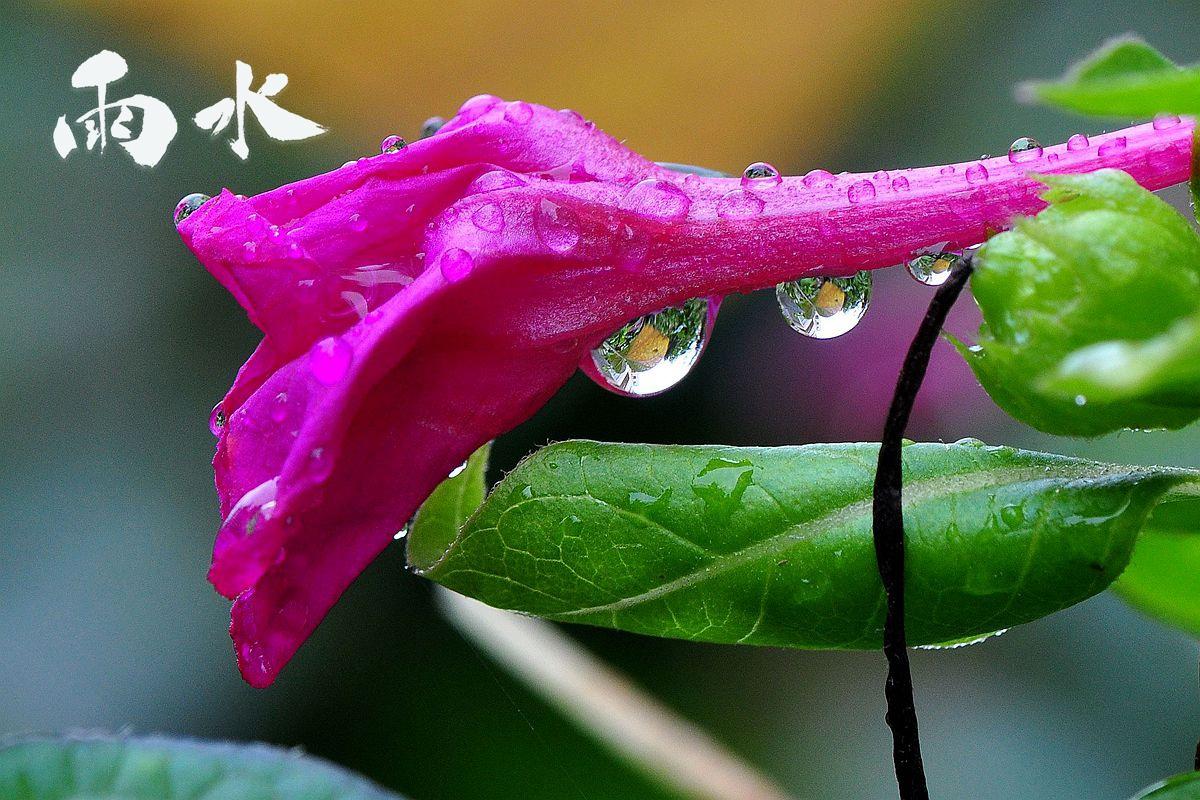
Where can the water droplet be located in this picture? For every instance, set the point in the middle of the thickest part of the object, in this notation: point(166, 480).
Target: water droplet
point(955, 645)
point(881, 176)
point(760, 174)
point(456, 264)
point(488, 217)
point(900, 184)
point(557, 226)
point(1013, 516)
point(1024, 150)
point(330, 360)
point(357, 223)
point(188, 205)
point(279, 409)
point(818, 179)
point(1053, 158)
point(932, 267)
point(392, 144)
point(949, 169)
point(431, 126)
point(1164, 121)
point(653, 353)
point(477, 106)
point(1078, 142)
point(1114, 145)
point(519, 112)
point(822, 307)
point(739, 204)
point(970, 441)
point(977, 174)
point(216, 420)
point(252, 509)
point(861, 192)
point(1080, 400)
point(454, 473)
point(657, 198)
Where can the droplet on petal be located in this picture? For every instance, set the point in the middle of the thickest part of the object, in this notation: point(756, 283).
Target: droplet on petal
point(456, 264)
point(252, 509)
point(216, 420)
point(861, 192)
point(1077, 142)
point(977, 174)
point(1024, 150)
point(1164, 121)
point(822, 307)
point(657, 198)
point(760, 174)
point(519, 112)
point(330, 360)
point(900, 184)
point(188, 205)
point(392, 144)
point(653, 353)
point(279, 409)
point(488, 217)
point(739, 204)
point(1115, 145)
point(357, 223)
point(818, 179)
point(557, 226)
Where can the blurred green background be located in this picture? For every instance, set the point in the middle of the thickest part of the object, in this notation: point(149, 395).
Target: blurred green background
point(115, 345)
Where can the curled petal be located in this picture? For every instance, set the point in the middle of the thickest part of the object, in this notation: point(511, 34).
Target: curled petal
point(437, 296)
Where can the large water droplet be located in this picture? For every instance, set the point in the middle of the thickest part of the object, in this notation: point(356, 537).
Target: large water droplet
point(1164, 121)
point(1077, 142)
point(760, 174)
point(823, 308)
point(330, 360)
point(1112, 146)
point(392, 144)
point(1024, 150)
point(188, 205)
point(653, 353)
point(557, 226)
point(932, 267)
point(861, 192)
point(488, 217)
point(818, 179)
point(519, 112)
point(252, 509)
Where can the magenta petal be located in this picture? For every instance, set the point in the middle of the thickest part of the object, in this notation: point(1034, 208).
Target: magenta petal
point(438, 296)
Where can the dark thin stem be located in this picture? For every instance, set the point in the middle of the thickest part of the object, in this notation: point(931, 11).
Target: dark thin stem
point(888, 523)
point(1197, 757)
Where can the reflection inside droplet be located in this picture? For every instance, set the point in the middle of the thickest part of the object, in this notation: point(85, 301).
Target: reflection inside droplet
point(653, 353)
point(822, 307)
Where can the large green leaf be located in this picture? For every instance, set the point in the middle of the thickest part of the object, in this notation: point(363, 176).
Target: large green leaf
point(773, 546)
point(1125, 77)
point(1181, 787)
point(121, 768)
point(1107, 270)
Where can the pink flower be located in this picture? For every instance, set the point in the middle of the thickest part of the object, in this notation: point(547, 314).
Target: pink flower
point(419, 303)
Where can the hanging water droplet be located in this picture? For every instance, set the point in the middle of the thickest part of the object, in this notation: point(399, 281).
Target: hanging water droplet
point(761, 174)
point(188, 205)
point(653, 353)
point(932, 267)
point(216, 420)
point(392, 144)
point(823, 308)
point(1024, 150)
point(1077, 142)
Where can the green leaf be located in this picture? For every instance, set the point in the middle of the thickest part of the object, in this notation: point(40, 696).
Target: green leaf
point(1163, 578)
point(440, 516)
point(773, 546)
point(1181, 787)
point(1107, 265)
point(126, 768)
point(1126, 77)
